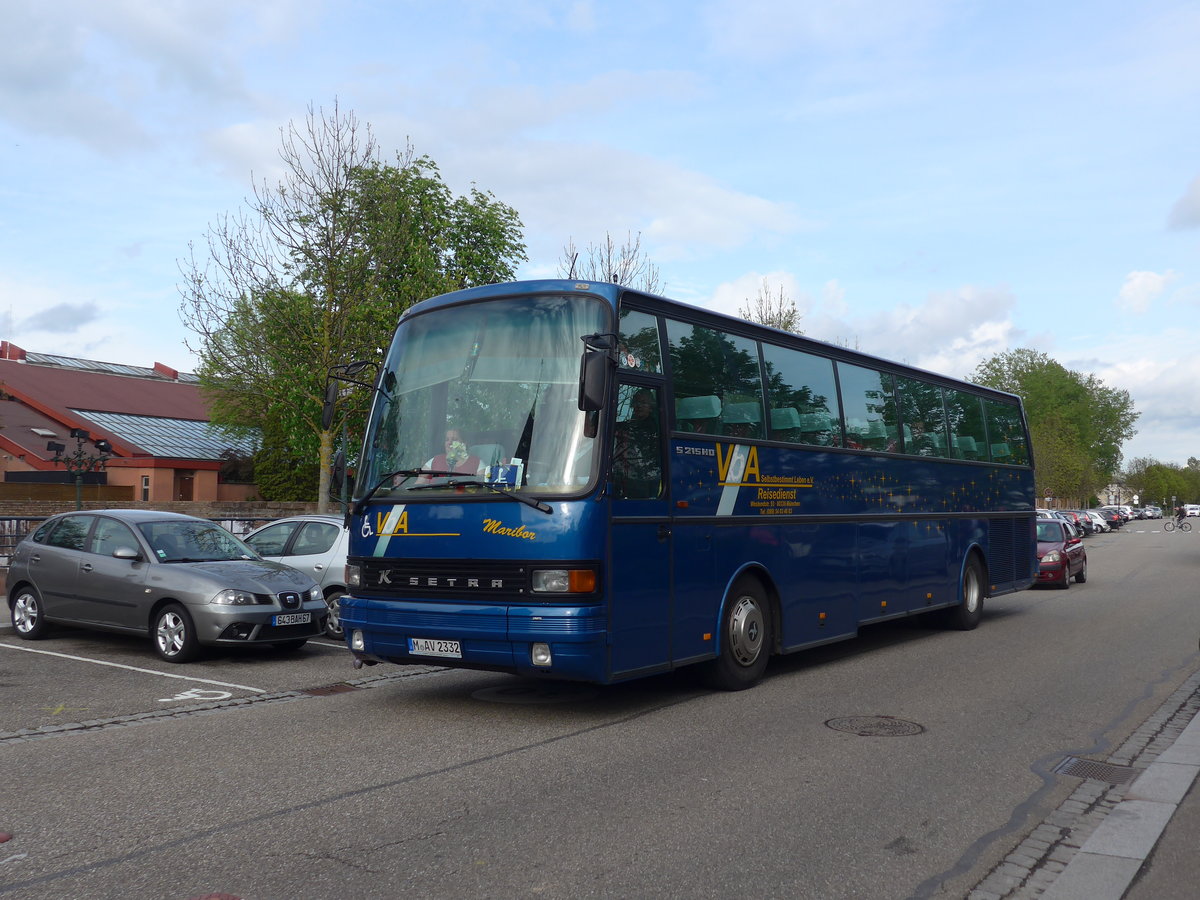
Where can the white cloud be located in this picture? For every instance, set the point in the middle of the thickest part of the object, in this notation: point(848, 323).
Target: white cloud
point(1186, 212)
point(765, 29)
point(1141, 289)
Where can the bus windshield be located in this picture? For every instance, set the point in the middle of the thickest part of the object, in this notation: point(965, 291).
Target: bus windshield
point(484, 397)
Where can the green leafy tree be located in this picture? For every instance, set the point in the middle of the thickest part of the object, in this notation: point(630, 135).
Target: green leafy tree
point(1077, 422)
point(315, 273)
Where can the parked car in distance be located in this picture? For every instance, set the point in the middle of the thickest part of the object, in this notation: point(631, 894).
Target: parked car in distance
point(1061, 554)
point(1152, 512)
point(1191, 509)
point(182, 581)
point(1075, 519)
point(1099, 524)
point(1109, 511)
point(314, 544)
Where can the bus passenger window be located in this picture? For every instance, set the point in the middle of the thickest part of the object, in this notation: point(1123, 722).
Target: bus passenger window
point(637, 454)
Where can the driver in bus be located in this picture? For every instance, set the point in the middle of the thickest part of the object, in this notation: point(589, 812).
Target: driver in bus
point(637, 472)
point(454, 457)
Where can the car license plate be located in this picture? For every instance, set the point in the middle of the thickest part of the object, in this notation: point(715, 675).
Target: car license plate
point(292, 619)
point(434, 647)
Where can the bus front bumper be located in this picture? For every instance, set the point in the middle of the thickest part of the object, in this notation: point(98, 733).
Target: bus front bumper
point(493, 637)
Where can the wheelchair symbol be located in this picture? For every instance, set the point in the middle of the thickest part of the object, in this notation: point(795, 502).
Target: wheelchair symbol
point(198, 694)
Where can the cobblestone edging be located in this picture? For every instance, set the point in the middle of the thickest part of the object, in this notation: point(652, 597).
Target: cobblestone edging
point(197, 709)
point(1038, 860)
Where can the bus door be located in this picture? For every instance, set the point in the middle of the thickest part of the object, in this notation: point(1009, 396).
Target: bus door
point(639, 563)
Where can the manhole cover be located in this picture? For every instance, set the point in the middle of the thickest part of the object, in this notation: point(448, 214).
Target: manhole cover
point(535, 693)
point(875, 726)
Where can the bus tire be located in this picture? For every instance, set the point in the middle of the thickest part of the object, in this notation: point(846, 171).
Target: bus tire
point(745, 638)
point(967, 614)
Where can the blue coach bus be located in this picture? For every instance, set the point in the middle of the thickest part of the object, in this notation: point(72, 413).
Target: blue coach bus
point(581, 481)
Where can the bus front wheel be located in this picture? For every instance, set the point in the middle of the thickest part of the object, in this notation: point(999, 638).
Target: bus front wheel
point(967, 614)
point(745, 638)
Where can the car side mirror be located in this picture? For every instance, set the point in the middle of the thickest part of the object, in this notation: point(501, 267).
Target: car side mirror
point(126, 553)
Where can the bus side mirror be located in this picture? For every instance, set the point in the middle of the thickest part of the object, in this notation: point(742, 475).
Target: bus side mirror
point(331, 392)
point(593, 380)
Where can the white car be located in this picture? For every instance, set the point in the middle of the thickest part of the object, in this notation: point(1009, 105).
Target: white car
point(1191, 509)
point(1098, 521)
point(314, 544)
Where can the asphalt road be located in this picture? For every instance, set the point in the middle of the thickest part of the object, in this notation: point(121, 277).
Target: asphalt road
point(312, 779)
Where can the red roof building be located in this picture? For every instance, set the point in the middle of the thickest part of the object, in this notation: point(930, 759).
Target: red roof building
point(154, 420)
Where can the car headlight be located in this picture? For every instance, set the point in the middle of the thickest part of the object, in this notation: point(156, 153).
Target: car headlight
point(1052, 556)
point(231, 597)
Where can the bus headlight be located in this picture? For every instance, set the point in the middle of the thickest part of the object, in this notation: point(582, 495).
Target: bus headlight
point(539, 654)
point(356, 640)
point(353, 576)
point(564, 581)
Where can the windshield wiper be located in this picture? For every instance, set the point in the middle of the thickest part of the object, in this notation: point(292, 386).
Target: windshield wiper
point(361, 504)
point(475, 482)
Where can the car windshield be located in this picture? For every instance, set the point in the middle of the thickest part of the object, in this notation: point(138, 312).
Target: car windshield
point(175, 541)
point(1049, 531)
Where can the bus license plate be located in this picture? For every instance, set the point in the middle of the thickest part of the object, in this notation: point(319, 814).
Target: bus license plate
point(434, 647)
point(292, 619)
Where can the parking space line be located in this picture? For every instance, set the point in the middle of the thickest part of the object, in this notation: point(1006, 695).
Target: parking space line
point(101, 662)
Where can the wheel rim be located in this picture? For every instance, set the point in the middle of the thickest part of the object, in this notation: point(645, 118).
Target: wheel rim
point(25, 613)
point(746, 631)
point(334, 624)
point(170, 634)
point(971, 590)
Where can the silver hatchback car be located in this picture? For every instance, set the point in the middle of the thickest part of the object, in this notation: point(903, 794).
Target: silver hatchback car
point(316, 545)
point(183, 581)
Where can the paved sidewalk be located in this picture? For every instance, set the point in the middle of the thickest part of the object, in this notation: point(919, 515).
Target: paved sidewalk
point(1111, 840)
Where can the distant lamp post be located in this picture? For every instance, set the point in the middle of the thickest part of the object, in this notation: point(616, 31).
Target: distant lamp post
point(80, 461)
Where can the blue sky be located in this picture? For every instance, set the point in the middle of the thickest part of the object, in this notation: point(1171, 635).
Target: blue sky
point(934, 181)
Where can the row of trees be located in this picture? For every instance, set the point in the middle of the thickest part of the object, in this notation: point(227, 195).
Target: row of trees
point(1158, 482)
point(317, 269)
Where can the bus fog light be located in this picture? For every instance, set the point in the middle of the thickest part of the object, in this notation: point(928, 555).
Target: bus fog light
point(356, 640)
point(540, 654)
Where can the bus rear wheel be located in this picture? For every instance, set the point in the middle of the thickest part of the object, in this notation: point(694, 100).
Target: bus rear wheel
point(968, 613)
point(745, 638)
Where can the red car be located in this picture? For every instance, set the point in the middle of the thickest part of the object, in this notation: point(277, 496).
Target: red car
point(1061, 555)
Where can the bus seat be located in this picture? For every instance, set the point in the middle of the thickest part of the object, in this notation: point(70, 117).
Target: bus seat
point(742, 419)
point(1000, 452)
point(489, 454)
point(966, 447)
point(696, 413)
point(785, 417)
point(877, 435)
point(785, 423)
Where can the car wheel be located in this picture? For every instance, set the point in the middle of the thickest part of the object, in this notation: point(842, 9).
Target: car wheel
point(1081, 575)
point(175, 635)
point(745, 637)
point(289, 646)
point(1066, 580)
point(333, 624)
point(28, 619)
point(967, 615)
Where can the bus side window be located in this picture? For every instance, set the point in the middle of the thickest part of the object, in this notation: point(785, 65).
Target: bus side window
point(637, 444)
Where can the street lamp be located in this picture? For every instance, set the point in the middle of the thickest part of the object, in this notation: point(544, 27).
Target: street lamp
point(80, 461)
